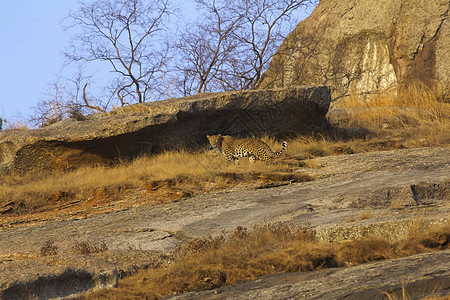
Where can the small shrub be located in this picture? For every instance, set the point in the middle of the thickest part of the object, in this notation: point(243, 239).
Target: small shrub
point(350, 219)
point(396, 204)
point(86, 247)
point(316, 151)
point(49, 248)
point(311, 164)
point(366, 250)
point(18, 125)
point(364, 215)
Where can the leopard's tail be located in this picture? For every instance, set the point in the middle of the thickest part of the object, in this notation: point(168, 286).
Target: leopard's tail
point(281, 151)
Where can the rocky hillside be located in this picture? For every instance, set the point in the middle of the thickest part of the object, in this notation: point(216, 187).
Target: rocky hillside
point(393, 186)
point(133, 130)
point(365, 46)
point(359, 201)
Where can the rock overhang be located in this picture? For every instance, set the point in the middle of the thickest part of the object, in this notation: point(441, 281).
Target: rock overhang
point(134, 130)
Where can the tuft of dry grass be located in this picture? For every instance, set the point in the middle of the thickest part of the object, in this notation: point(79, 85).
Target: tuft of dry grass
point(202, 264)
point(312, 146)
point(364, 215)
point(49, 248)
point(86, 247)
point(422, 236)
point(396, 204)
point(16, 125)
point(405, 295)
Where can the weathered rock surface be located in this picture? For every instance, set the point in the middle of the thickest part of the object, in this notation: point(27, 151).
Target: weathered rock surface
point(365, 46)
point(65, 274)
point(347, 186)
point(367, 281)
point(142, 128)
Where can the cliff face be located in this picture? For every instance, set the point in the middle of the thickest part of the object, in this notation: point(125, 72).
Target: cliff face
point(365, 46)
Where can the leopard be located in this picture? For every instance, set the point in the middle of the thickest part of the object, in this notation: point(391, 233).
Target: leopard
point(235, 148)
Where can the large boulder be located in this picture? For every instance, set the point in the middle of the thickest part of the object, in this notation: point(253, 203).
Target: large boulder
point(150, 127)
point(365, 46)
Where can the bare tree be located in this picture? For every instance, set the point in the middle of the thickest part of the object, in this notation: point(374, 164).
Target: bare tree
point(264, 27)
point(64, 99)
point(129, 36)
point(232, 42)
point(206, 46)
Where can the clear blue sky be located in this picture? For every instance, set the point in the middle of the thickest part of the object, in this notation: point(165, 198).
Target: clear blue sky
point(31, 43)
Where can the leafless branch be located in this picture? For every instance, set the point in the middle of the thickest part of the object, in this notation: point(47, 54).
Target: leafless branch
point(87, 104)
point(127, 34)
point(233, 42)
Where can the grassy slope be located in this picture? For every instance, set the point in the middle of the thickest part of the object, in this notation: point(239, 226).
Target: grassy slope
point(409, 119)
point(412, 118)
point(272, 248)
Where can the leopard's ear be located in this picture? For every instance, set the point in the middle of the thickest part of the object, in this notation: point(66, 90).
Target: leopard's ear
point(219, 135)
point(208, 136)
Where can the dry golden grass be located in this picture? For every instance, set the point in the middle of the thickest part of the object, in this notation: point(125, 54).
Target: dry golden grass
point(396, 204)
point(436, 297)
point(15, 125)
point(364, 215)
point(86, 247)
point(405, 295)
point(178, 172)
point(410, 118)
point(414, 114)
point(422, 236)
point(412, 106)
point(311, 147)
point(49, 248)
point(243, 255)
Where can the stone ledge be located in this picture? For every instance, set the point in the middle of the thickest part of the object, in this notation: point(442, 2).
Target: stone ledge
point(151, 127)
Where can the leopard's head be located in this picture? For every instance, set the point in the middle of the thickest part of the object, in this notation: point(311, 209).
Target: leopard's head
point(215, 141)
